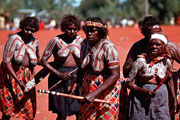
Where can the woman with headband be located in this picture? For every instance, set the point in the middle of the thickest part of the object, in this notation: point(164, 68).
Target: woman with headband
point(147, 79)
point(99, 73)
point(148, 26)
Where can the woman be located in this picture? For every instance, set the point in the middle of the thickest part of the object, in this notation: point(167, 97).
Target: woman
point(65, 49)
point(21, 55)
point(99, 72)
point(148, 71)
point(148, 26)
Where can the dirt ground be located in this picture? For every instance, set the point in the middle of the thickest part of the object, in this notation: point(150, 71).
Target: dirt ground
point(123, 38)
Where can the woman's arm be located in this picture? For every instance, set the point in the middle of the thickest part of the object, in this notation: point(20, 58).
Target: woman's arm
point(137, 65)
point(11, 72)
point(174, 51)
point(8, 56)
point(38, 54)
point(111, 80)
point(46, 55)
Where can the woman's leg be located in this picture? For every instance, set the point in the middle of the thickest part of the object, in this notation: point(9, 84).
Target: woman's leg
point(5, 117)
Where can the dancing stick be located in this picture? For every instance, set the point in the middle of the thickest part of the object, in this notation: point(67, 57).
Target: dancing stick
point(69, 96)
point(61, 80)
point(159, 85)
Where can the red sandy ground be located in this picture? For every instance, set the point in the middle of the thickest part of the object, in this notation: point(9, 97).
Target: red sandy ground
point(123, 38)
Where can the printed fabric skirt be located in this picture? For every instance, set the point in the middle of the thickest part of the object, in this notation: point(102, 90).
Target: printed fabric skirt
point(101, 111)
point(13, 101)
point(62, 105)
point(156, 108)
point(177, 88)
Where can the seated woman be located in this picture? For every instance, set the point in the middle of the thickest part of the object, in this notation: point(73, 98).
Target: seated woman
point(147, 72)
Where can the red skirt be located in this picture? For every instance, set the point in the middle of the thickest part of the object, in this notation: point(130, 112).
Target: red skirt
point(102, 111)
point(14, 101)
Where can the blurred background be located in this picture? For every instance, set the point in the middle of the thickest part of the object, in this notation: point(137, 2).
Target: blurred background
point(116, 13)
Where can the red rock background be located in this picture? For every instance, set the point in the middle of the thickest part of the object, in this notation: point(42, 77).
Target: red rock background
point(123, 38)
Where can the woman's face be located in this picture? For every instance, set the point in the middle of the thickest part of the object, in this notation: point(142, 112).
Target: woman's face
point(29, 31)
point(92, 35)
point(156, 47)
point(71, 31)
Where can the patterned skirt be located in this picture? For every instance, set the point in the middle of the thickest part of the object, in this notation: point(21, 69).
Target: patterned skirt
point(14, 101)
point(101, 111)
point(177, 115)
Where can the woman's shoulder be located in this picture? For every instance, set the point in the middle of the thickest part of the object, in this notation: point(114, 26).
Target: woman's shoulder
point(107, 43)
point(14, 37)
point(56, 38)
point(141, 57)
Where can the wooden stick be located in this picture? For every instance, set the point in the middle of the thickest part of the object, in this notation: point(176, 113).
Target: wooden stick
point(159, 85)
point(69, 96)
point(61, 80)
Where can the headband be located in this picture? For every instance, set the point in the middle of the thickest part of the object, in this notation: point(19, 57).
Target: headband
point(160, 37)
point(95, 24)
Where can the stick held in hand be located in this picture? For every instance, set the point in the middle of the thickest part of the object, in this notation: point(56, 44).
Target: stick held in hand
point(69, 96)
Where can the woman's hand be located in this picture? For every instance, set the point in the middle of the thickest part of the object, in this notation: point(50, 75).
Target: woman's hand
point(64, 76)
point(150, 92)
point(90, 97)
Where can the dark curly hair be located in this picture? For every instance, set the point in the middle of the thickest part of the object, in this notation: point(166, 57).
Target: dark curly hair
point(103, 32)
point(69, 20)
point(148, 22)
point(31, 22)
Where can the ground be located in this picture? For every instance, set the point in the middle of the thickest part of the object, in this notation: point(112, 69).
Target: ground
point(123, 38)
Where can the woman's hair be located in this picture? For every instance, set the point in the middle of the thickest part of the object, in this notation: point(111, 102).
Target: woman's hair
point(31, 22)
point(103, 32)
point(149, 21)
point(69, 20)
point(146, 25)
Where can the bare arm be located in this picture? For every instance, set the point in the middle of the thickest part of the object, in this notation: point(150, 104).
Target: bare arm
point(46, 55)
point(111, 80)
point(111, 59)
point(8, 56)
point(47, 66)
point(38, 54)
point(138, 64)
point(174, 51)
point(131, 57)
point(10, 70)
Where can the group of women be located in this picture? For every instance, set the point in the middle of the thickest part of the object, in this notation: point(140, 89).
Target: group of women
point(89, 67)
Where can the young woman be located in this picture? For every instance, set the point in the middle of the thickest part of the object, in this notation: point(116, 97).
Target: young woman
point(66, 49)
point(21, 55)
